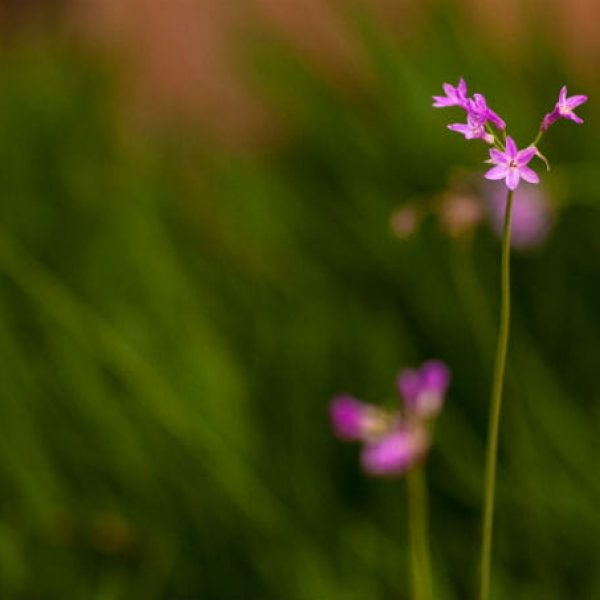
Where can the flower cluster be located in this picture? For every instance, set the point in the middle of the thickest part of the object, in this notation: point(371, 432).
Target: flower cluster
point(510, 163)
point(393, 441)
point(479, 114)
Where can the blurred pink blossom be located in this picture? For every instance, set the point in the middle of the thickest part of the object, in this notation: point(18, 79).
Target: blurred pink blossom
point(532, 216)
point(460, 213)
point(405, 221)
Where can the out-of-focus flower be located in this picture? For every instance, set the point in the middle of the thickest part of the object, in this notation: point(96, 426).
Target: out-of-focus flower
point(460, 213)
point(396, 452)
point(511, 164)
point(532, 215)
point(424, 389)
point(455, 96)
point(352, 419)
point(394, 441)
point(405, 221)
point(564, 109)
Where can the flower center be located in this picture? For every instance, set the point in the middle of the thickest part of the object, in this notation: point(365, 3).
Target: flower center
point(378, 423)
point(564, 110)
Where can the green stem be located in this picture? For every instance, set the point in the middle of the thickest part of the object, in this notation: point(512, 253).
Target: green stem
point(538, 137)
point(419, 534)
point(496, 402)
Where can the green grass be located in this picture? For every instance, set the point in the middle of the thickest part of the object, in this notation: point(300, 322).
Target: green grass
point(174, 321)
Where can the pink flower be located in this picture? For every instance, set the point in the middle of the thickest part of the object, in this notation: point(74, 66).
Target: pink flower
point(473, 129)
point(396, 452)
point(482, 113)
point(455, 96)
point(354, 420)
point(424, 389)
point(532, 216)
point(564, 109)
point(390, 445)
point(405, 221)
point(460, 213)
point(477, 109)
point(511, 164)
point(393, 442)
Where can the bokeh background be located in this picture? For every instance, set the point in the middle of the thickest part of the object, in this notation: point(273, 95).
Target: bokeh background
point(200, 243)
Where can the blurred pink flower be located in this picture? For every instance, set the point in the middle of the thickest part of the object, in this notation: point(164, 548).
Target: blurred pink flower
point(532, 214)
point(460, 213)
point(405, 221)
point(396, 452)
point(424, 389)
point(394, 441)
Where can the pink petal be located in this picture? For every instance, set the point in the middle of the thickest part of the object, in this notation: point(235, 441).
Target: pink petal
point(423, 390)
point(529, 175)
point(349, 417)
point(497, 172)
point(499, 157)
point(496, 119)
point(575, 101)
point(512, 179)
point(435, 376)
point(460, 127)
point(409, 384)
point(575, 118)
point(449, 89)
point(480, 101)
point(395, 453)
point(524, 156)
point(442, 102)
point(511, 147)
point(462, 87)
point(562, 96)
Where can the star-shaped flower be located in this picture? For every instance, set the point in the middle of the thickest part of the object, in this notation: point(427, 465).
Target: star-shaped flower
point(455, 96)
point(511, 164)
point(564, 109)
point(473, 129)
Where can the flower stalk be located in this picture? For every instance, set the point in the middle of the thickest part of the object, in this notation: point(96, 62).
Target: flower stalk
point(418, 522)
point(495, 406)
point(510, 165)
point(396, 443)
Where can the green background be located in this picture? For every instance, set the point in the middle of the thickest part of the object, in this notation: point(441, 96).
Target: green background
point(174, 318)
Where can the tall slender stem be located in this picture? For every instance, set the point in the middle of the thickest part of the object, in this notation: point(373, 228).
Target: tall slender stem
point(495, 405)
point(419, 534)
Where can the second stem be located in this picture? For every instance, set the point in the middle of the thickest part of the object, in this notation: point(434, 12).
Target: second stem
point(419, 533)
